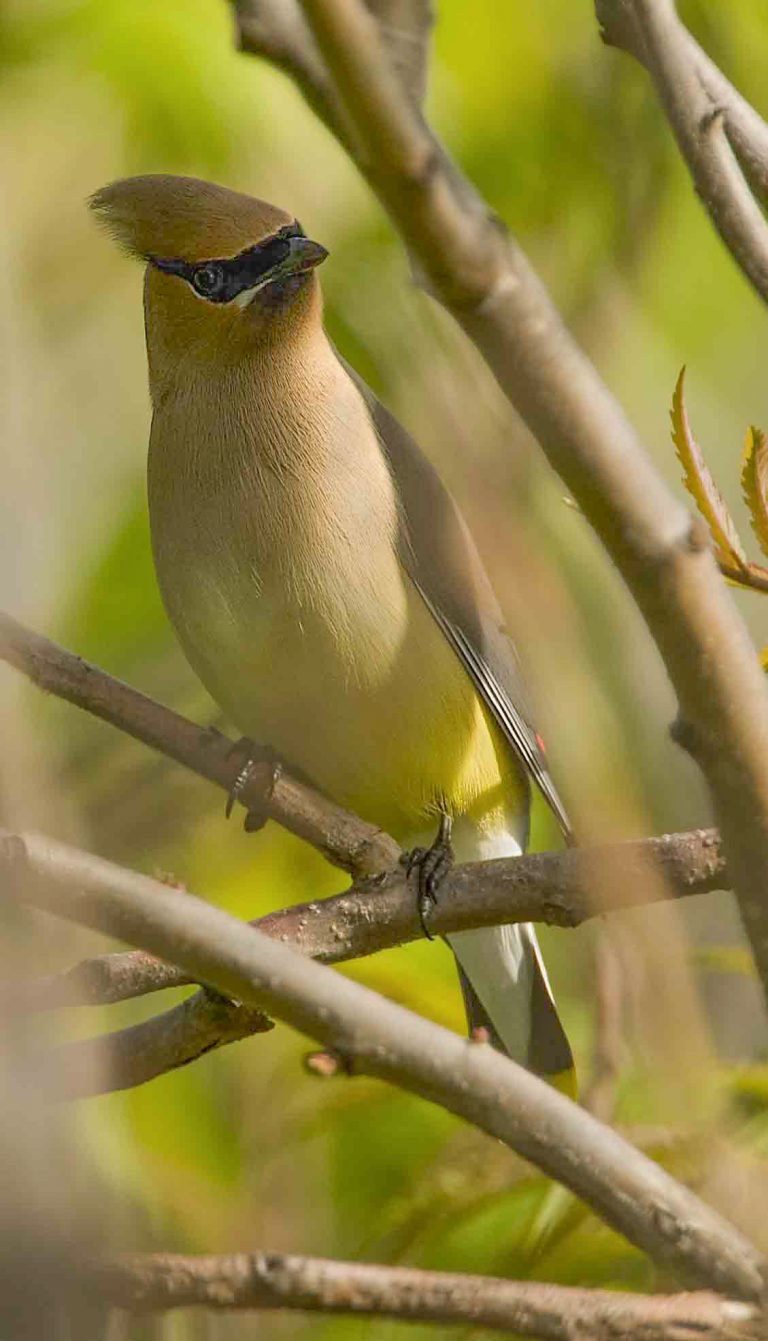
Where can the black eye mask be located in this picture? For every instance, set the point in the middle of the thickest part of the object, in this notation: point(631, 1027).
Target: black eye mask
point(220, 281)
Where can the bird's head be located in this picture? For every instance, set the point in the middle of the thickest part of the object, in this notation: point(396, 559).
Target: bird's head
point(224, 270)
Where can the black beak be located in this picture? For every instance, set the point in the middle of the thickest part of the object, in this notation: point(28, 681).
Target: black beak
point(304, 255)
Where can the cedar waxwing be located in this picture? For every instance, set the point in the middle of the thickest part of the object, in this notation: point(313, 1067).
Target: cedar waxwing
point(322, 581)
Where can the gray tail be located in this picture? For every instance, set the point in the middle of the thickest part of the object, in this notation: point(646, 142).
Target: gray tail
point(507, 992)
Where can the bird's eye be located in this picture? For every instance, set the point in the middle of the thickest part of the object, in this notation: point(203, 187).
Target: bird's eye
point(208, 279)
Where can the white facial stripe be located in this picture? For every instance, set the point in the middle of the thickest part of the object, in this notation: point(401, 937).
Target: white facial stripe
point(241, 299)
point(244, 298)
point(278, 271)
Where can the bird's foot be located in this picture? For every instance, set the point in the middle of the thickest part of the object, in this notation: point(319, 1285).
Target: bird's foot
point(432, 865)
point(253, 757)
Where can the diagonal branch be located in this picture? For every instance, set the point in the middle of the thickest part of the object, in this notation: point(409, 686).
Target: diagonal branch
point(701, 124)
point(752, 576)
point(155, 1282)
point(746, 130)
point(378, 914)
point(372, 1036)
point(406, 29)
point(278, 30)
point(371, 916)
point(344, 839)
point(129, 1057)
point(470, 263)
point(374, 914)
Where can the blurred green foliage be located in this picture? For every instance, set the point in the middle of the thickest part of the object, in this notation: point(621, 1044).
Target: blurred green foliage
point(244, 1150)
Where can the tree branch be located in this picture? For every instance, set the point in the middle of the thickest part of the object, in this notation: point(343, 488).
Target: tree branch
point(746, 130)
point(344, 839)
point(380, 913)
point(371, 916)
point(405, 27)
point(375, 1037)
point(700, 125)
point(751, 575)
point(153, 1282)
point(278, 30)
point(374, 914)
point(130, 1057)
point(470, 263)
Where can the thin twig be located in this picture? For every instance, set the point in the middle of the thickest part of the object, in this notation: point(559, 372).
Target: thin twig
point(378, 914)
point(157, 1282)
point(700, 128)
point(130, 1057)
point(375, 1037)
point(344, 839)
point(469, 262)
point(278, 30)
point(746, 130)
point(751, 576)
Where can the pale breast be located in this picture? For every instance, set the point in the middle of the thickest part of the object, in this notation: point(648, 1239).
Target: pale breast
point(275, 545)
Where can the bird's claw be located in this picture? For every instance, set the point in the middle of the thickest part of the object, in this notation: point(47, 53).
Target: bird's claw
point(254, 758)
point(239, 785)
point(431, 864)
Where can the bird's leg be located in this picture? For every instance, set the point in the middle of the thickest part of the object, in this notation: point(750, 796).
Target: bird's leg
point(253, 758)
point(431, 864)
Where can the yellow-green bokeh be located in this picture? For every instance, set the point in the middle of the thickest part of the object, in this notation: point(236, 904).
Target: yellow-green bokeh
point(243, 1150)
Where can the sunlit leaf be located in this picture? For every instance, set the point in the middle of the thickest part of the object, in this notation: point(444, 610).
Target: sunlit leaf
point(700, 484)
point(754, 483)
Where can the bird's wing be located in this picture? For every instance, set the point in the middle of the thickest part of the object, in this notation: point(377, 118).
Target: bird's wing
point(440, 556)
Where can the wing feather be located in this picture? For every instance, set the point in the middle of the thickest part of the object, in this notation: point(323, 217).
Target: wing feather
point(519, 733)
point(438, 553)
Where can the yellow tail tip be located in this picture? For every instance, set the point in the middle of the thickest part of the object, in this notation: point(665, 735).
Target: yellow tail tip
point(567, 1082)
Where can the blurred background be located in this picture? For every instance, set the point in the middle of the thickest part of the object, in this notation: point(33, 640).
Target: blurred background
point(243, 1150)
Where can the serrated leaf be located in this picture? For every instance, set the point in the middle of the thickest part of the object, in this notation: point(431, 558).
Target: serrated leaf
point(700, 484)
point(754, 483)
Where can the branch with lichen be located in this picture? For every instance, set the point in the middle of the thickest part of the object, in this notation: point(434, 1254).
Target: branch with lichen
point(375, 914)
point(270, 792)
point(369, 1035)
point(157, 1282)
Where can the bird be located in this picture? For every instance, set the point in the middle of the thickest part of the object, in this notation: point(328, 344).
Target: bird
point(321, 579)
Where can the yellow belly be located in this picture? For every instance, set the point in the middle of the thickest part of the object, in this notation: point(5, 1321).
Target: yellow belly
point(384, 720)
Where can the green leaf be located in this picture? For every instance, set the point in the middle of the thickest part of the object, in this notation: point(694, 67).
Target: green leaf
point(700, 484)
point(754, 483)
